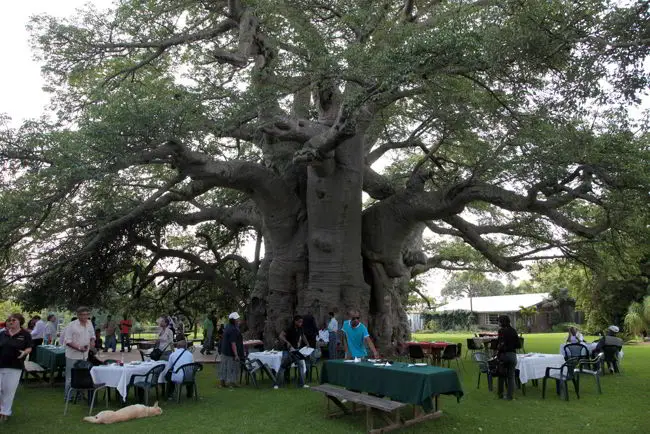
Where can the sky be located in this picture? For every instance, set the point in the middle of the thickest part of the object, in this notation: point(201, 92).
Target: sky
point(22, 96)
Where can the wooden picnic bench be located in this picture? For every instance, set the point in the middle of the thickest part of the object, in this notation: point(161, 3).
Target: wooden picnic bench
point(387, 409)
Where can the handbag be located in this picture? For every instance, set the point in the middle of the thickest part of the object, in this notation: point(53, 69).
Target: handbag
point(168, 375)
point(155, 354)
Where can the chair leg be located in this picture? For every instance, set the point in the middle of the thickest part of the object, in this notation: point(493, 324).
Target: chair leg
point(92, 402)
point(544, 388)
point(196, 391)
point(478, 383)
point(489, 379)
point(598, 384)
point(576, 386)
point(67, 401)
point(178, 388)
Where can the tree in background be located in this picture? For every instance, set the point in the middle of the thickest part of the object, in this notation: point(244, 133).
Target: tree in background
point(183, 130)
point(637, 319)
point(471, 284)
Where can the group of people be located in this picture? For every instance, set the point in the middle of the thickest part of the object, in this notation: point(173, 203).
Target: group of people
point(509, 342)
point(80, 338)
point(110, 328)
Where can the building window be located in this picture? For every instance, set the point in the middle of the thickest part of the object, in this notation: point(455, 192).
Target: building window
point(493, 319)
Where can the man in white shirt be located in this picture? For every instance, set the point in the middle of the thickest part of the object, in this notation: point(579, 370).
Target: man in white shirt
point(332, 328)
point(181, 356)
point(38, 332)
point(78, 336)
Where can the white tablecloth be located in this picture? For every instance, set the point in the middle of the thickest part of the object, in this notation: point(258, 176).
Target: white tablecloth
point(533, 367)
point(119, 377)
point(272, 360)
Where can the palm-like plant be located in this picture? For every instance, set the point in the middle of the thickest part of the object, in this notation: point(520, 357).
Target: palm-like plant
point(638, 317)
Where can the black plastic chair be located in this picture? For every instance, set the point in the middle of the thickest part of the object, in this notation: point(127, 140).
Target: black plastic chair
point(562, 376)
point(473, 347)
point(189, 379)
point(576, 351)
point(82, 381)
point(587, 366)
point(149, 381)
point(494, 346)
point(249, 368)
point(610, 356)
point(416, 353)
point(452, 352)
point(481, 360)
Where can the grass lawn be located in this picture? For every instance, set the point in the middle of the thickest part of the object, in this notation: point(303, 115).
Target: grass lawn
point(621, 408)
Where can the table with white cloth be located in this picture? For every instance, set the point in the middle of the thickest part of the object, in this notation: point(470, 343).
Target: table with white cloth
point(533, 366)
point(272, 359)
point(119, 377)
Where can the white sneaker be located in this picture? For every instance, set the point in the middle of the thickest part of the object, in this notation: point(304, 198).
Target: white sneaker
point(306, 386)
point(343, 401)
point(276, 387)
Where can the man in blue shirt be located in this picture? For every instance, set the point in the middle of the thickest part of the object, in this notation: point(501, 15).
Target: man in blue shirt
point(356, 338)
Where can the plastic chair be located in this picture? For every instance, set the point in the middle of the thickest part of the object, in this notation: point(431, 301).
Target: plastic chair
point(82, 381)
point(521, 348)
point(149, 381)
point(473, 347)
point(562, 376)
point(189, 379)
point(590, 367)
point(416, 353)
point(452, 352)
point(576, 351)
point(481, 360)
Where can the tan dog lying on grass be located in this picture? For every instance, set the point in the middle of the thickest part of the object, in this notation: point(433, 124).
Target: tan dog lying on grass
point(136, 411)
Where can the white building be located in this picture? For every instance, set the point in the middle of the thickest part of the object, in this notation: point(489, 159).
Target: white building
point(488, 309)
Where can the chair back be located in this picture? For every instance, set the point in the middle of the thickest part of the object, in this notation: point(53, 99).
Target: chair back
point(416, 352)
point(481, 360)
point(459, 350)
point(473, 345)
point(80, 379)
point(190, 370)
point(575, 351)
point(152, 376)
point(494, 344)
point(450, 352)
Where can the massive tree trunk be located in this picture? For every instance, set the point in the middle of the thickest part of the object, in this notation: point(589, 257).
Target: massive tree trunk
point(334, 241)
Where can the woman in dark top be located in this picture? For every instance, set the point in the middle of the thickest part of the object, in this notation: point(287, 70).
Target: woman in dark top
point(15, 345)
point(508, 342)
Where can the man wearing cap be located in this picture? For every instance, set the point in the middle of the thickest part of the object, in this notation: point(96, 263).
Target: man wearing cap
point(232, 351)
point(610, 339)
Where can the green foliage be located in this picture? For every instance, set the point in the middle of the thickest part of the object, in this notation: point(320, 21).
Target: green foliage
point(471, 284)
point(456, 320)
point(637, 319)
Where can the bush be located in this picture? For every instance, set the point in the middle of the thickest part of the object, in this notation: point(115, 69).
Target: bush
point(432, 325)
point(564, 327)
point(458, 320)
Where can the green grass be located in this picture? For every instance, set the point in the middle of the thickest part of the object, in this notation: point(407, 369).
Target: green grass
point(621, 408)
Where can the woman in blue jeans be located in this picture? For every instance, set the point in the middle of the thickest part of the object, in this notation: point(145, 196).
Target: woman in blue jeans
point(508, 343)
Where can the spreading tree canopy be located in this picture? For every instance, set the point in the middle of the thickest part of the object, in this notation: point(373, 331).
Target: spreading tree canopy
point(182, 129)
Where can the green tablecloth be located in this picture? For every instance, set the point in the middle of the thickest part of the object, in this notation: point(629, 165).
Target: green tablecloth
point(50, 358)
point(412, 385)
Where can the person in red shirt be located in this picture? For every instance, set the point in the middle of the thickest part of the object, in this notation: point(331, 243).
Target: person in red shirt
point(125, 333)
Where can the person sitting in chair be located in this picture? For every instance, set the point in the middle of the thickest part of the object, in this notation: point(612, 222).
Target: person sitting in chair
point(609, 339)
point(181, 356)
point(294, 338)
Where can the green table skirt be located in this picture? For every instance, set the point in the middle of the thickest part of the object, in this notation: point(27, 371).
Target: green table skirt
point(412, 385)
point(50, 358)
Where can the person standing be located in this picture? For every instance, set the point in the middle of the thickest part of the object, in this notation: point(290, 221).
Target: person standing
point(51, 327)
point(15, 345)
point(38, 332)
point(110, 340)
point(208, 334)
point(125, 333)
point(232, 351)
point(78, 336)
point(507, 345)
point(356, 338)
point(333, 329)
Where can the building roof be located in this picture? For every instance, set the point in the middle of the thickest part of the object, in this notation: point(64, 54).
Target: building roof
point(496, 304)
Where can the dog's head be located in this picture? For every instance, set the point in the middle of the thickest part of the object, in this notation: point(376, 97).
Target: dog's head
point(155, 410)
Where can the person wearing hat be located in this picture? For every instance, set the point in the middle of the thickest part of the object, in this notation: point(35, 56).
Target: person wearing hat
point(609, 339)
point(232, 351)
